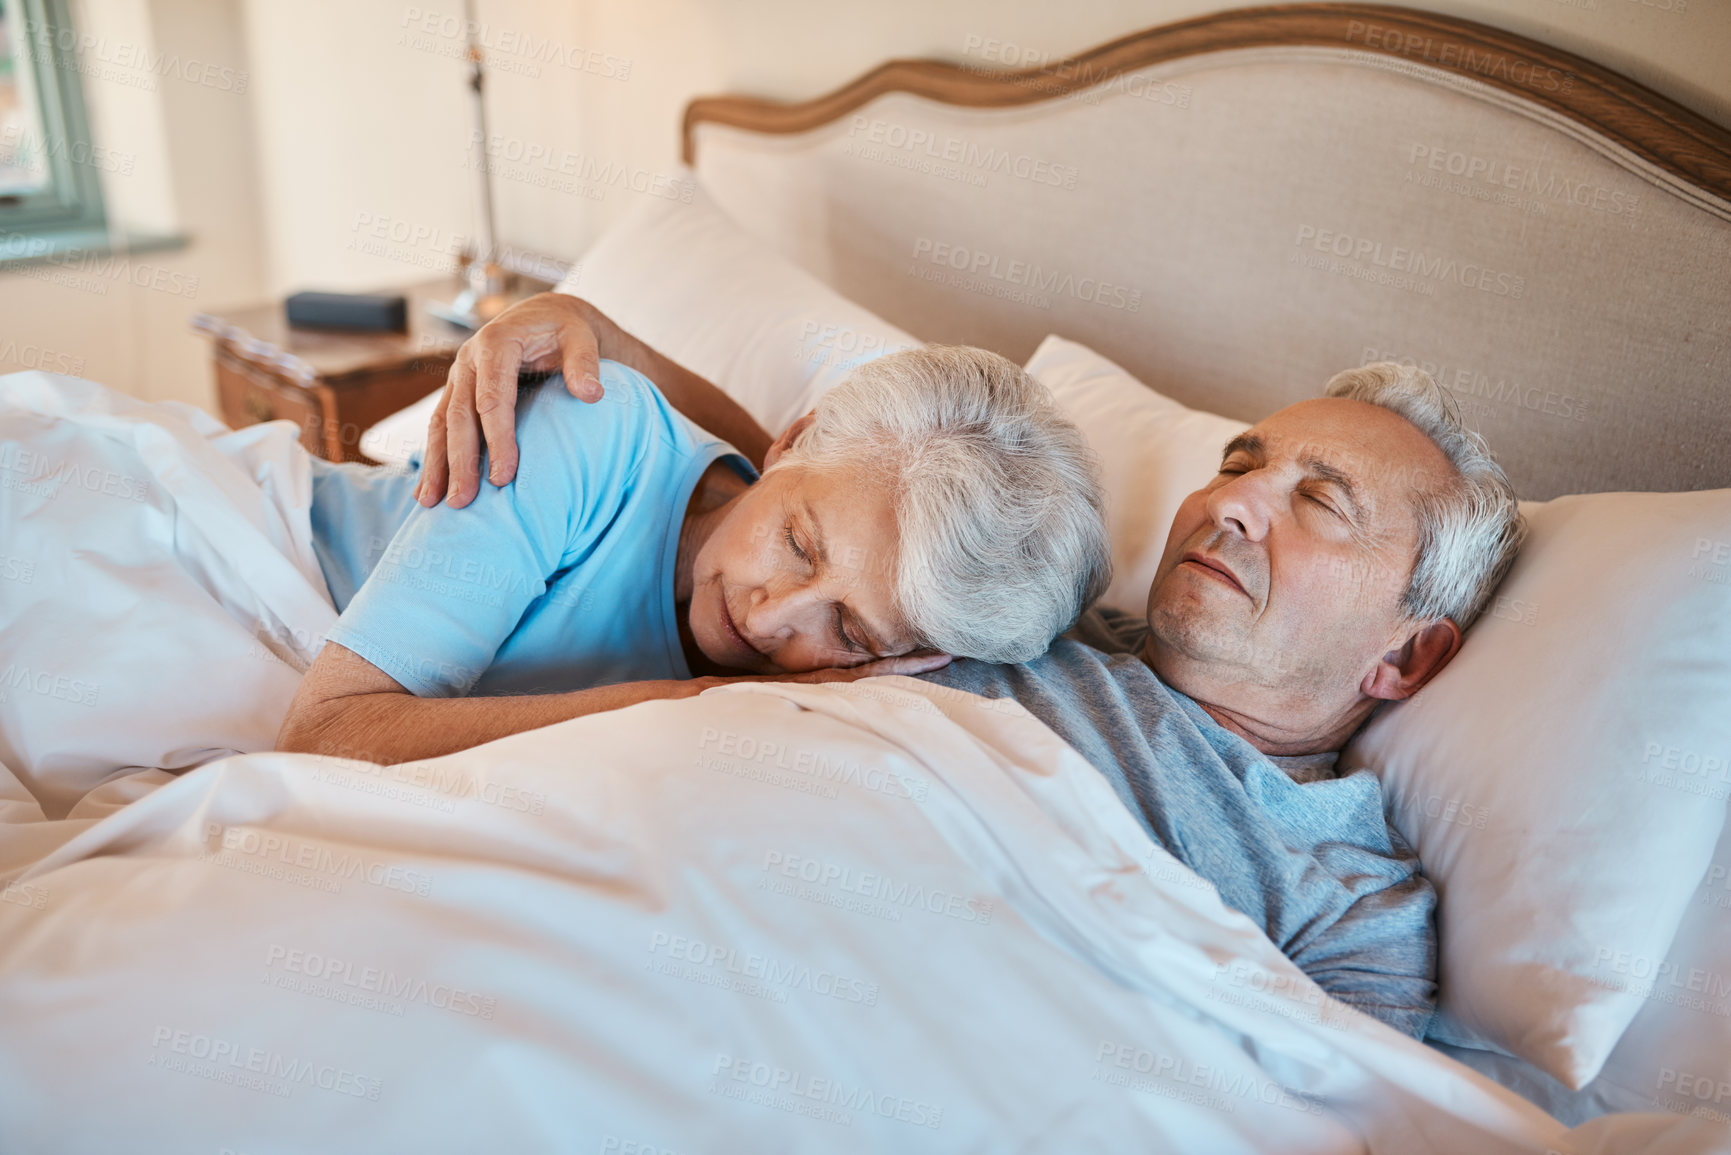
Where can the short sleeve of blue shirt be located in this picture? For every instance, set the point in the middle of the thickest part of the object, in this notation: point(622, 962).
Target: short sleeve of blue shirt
point(562, 579)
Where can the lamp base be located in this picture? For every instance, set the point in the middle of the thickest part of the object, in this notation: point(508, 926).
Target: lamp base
point(489, 291)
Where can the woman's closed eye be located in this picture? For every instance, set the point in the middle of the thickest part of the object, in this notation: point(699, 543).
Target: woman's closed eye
point(839, 623)
point(841, 634)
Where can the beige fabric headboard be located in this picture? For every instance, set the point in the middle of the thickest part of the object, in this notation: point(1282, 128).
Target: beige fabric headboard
point(1236, 207)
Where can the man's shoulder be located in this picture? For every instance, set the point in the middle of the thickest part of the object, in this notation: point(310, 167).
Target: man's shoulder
point(1073, 685)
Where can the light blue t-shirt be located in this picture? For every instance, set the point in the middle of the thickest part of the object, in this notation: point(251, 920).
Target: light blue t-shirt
point(561, 580)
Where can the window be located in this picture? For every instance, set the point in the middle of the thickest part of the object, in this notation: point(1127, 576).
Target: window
point(48, 175)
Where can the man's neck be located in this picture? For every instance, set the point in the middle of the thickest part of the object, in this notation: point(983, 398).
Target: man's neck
point(1277, 743)
point(1271, 738)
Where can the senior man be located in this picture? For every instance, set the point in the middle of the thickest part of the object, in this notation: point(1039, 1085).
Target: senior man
point(1331, 565)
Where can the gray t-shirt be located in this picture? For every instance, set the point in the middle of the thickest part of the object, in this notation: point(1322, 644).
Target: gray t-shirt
point(1305, 853)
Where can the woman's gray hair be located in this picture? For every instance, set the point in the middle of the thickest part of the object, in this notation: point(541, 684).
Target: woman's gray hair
point(1468, 534)
point(997, 496)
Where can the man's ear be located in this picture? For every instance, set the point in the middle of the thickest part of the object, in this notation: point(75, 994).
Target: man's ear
point(1405, 669)
point(787, 438)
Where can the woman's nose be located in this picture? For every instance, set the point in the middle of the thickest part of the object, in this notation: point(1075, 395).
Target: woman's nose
point(783, 608)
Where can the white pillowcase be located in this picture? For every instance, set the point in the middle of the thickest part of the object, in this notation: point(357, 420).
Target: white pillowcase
point(1563, 779)
point(402, 436)
point(690, 283)
point(693, 285)
point(1153, 454)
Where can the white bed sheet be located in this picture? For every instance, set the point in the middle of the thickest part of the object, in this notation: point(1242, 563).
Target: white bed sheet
point(585, 935)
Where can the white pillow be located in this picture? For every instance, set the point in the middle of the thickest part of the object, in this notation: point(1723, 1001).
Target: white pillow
point(690, 283)
point(1563, 780)
point(686, 280)
point(1518, 773)
point(1153, 453)
point(402, 436)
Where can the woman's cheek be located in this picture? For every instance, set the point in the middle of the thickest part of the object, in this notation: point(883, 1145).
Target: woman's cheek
point(742, 556)
point(798, 658)
point(760, 544)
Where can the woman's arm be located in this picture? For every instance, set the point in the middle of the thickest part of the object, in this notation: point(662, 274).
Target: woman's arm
point(547, 333)
point(348, 707)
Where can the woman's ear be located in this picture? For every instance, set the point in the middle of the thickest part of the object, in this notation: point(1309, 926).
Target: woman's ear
point(787, 438)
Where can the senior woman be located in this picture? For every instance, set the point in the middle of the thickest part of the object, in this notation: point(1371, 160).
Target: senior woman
point(933, 504)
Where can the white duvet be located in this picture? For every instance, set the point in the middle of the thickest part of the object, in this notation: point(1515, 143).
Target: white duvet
point(878, 917)
point(875, 917)
point(159, 596)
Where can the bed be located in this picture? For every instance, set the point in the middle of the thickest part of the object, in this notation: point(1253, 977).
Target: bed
point(888, 918)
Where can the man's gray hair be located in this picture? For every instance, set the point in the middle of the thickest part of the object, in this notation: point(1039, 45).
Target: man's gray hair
point(997, 496)
point(1468, 534)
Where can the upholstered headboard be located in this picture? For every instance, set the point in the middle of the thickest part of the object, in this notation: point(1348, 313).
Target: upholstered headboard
point(1237, 207)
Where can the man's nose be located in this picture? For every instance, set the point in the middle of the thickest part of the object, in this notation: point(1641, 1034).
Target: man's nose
point(1241, 505)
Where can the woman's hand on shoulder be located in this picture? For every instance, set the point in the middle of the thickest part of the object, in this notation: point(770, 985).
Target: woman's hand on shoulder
point(549, 332)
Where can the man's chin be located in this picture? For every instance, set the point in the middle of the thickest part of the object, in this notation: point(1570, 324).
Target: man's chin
point(1178, 627)
point(1196, 675)
point(1179, 640)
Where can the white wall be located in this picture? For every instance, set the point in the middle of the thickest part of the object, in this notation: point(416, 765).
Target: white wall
point(388, 104)
point(344, 163)
point(178, 157)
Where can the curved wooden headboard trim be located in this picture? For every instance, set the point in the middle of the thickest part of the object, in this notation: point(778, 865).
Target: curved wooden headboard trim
point(1651, 126)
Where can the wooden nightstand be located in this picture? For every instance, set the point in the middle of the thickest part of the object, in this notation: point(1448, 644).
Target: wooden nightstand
point(334, 384)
